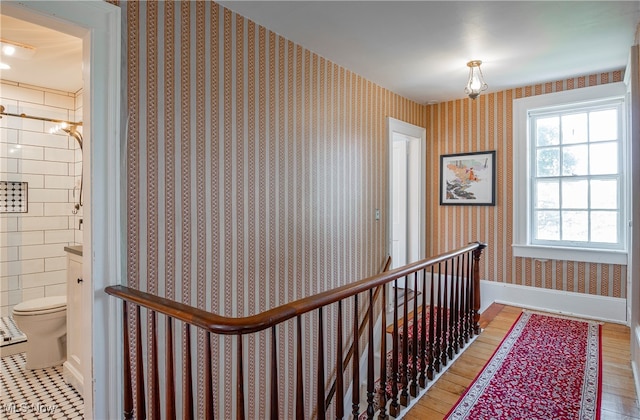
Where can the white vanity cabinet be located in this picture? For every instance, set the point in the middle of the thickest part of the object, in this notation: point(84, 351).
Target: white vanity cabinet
point(73, 368)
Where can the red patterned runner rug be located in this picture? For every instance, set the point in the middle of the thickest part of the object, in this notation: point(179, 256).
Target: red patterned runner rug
point(546, 367)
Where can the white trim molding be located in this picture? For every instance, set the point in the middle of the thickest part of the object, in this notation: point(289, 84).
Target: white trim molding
point(522, 244)
point(582, 305)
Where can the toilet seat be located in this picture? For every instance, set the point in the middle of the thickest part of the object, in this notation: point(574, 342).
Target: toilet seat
point(41, 306)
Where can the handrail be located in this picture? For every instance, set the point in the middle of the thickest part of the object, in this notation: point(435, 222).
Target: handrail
point(349, 355)
point(254, 323)
point(453, 305)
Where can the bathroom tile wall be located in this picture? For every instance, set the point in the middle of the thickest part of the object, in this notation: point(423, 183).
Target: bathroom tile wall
point(32, 257)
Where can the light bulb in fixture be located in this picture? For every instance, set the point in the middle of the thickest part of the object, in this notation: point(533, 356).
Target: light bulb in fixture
point(16, 49)
point(8, 50)
point(476, 83)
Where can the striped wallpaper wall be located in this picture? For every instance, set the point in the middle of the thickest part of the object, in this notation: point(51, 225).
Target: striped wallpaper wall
point(254, 168)
point(486, 124)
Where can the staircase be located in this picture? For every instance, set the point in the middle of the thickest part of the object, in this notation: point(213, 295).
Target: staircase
point(425, 332)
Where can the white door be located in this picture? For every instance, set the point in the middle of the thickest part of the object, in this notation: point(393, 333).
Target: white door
point(406, 193)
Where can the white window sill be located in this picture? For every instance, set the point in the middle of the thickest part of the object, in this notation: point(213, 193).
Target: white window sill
point(604, 256)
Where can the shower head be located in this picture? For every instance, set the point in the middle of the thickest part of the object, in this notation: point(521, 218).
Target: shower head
point(70, 130)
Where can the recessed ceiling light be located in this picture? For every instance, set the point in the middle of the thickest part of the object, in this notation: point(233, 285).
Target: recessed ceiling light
point(16, 49)
point(4, 66)
point(8, 50)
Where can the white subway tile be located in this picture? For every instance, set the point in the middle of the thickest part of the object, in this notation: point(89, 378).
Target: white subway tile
point(34, 181)
point(9, 283)
point(32, 293)
point(57, 209)
point(22, 238)
point(15, 297)
point(8, 135)
point(78, 237)
point(55, 263)
point(44, 168)
point(59, 100)
point(16, 268)
point(44, 279)
point(19, 151)
point(8, 253)
point(59, 155)
point(79, 101)
point(44, 139)
point(40, 110)
point(42, 223)
point(41, 251)
point(22, 94)
point(56, 289)
point(35, 210)
point(39, 195)
point(8, 165)
point(5, 310)
point(8, 223)
point(58, 236)
point(58, 181)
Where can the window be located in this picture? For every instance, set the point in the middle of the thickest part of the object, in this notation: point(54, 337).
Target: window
point(569, 189)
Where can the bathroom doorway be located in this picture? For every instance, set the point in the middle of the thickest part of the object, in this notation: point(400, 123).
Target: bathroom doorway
point(97, 24)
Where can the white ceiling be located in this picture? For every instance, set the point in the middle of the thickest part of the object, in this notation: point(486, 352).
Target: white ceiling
point(56, 64)
point(418, 49)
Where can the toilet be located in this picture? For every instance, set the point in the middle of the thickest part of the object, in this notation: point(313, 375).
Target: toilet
point(44, 322)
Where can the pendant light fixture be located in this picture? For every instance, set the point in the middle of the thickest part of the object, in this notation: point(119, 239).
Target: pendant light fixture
point(476, 83)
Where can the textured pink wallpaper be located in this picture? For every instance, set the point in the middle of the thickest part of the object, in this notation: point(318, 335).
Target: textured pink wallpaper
point(486, 124)
point(253, 171)
point(254, 167)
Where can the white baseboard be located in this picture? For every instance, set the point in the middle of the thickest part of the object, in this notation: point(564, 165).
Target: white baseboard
point(74, 378)
point(583, 305)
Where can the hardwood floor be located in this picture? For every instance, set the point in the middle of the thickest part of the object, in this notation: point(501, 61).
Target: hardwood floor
point(618, 390)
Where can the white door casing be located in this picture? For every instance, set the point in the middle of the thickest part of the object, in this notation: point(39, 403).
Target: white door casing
point(98, 24)
point(406, 195)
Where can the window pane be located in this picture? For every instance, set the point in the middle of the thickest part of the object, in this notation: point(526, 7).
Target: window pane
point(604, 227)
point(547, 225)
point(603, 158)
point(604, 194)
point(547, 194)
point(574, 160)
point(548, 162)
point(574, 128)
point(548, 131)
point(575, 194)
point(575, 226)
point(603, 125)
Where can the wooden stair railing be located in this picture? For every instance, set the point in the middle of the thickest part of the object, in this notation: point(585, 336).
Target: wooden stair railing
point(344, 364)
point(454, 303)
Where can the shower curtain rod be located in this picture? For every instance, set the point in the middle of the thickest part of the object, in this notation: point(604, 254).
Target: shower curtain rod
point(8, 114)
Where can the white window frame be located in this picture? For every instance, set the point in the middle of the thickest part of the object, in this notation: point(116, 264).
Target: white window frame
point(522, 243)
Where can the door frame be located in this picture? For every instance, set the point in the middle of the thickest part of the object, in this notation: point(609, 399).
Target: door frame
point(397, 126)
point(98, 24)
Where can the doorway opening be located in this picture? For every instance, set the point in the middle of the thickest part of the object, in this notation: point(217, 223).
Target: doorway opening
point(406, 195)
point(97, 24)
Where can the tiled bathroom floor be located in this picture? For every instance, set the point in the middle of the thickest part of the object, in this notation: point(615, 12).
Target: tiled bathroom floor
point(9, 332)
point(36, 394)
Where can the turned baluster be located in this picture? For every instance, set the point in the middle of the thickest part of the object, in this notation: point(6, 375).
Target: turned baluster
point(339, 368)
point(170, 387)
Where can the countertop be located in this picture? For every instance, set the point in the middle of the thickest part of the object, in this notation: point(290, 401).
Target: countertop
point(74, 249)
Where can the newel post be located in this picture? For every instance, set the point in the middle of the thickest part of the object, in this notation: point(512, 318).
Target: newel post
point(476, 286)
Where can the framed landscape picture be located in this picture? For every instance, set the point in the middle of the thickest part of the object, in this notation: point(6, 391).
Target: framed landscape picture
point(468, 179)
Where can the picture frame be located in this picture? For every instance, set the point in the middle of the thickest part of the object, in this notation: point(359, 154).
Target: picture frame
point(468, 179)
